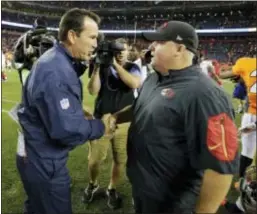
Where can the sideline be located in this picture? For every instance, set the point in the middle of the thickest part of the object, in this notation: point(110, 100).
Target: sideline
point(9, 101)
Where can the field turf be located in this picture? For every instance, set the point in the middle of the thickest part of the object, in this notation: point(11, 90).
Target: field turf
point(13, 194)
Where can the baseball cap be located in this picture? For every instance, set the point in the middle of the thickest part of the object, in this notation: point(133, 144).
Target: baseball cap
point(178, 32)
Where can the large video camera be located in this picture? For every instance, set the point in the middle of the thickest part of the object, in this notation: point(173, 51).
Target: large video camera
point(104, 54)
point(106, 51)
point(41, 40)
point(32, 44)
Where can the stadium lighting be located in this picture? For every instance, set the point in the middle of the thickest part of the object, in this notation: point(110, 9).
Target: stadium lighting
point(202, 31)
point(16, 24)
point(157, 2)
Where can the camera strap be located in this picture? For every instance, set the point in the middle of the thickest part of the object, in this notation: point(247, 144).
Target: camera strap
point(20, 76)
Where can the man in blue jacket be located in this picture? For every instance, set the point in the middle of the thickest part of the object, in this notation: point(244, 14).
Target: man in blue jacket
point(52, 118)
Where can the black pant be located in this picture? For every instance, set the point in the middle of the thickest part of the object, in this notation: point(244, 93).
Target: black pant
point(47, 185)
point(143, 204)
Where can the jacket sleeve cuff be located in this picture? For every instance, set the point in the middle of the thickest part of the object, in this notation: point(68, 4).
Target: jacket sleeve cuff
point(97, 129)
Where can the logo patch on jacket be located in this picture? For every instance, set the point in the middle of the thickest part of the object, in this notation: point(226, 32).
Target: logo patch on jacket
point(167, 92)
point(222, 137)
point(65, 103)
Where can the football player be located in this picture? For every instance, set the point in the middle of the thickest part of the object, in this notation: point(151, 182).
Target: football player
point(240, 93)
point(247, 201)
point(209, 69)
point(3, 74)
point(246, 68)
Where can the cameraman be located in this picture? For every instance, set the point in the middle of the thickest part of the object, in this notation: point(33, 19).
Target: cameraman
point(114, 86)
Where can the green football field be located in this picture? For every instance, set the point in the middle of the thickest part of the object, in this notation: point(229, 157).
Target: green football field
point(13, 194)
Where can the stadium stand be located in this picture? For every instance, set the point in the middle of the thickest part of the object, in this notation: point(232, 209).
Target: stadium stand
point(130, 16)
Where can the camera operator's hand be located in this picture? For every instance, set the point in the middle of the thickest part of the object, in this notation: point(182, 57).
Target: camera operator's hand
point(131, 80)
point(94, 83)
point(115, 63)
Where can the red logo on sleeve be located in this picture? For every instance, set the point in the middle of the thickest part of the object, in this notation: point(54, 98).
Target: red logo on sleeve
point(222, 137)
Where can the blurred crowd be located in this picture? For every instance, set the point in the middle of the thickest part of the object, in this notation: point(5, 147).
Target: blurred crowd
point(26, 12)
point(142, 22)
point(9, 39)
point(223, 49)
point(227, 49)
point(104, 4)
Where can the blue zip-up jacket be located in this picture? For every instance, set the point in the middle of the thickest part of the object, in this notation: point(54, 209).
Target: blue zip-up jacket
point(51, 113)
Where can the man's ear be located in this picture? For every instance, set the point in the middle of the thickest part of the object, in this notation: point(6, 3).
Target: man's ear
point(72, 36)
point(181, 48)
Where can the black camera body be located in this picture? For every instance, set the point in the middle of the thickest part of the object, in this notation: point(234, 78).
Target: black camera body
point(30, 46)
point(106, 51)
point(41, 42)
point(38, 41)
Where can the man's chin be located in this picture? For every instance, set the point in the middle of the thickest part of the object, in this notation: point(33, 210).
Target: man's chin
point(82, 58)
point(159, 69)
point(87, 57)
point(154, 65)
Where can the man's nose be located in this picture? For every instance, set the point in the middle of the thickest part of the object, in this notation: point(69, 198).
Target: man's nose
point(95, 44)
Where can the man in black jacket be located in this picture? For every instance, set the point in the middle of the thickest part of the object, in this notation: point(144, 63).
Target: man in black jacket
point(182, 141)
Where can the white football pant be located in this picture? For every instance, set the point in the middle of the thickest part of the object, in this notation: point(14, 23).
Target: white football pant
point(248, 139)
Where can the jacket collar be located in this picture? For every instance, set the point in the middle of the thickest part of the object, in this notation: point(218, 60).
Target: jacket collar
point(79, 66)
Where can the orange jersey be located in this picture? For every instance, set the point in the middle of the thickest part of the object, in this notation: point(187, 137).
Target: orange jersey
point(246, 69)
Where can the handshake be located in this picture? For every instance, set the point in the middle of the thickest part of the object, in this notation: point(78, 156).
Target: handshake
point(109, 121)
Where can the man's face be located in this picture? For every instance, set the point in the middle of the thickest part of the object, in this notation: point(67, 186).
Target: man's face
point(122, 57)
point(133, 54)
point(84, 44)
point(164, 53)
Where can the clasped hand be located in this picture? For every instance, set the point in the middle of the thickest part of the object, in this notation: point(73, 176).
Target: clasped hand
point(110, 124)
point(108, 120)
